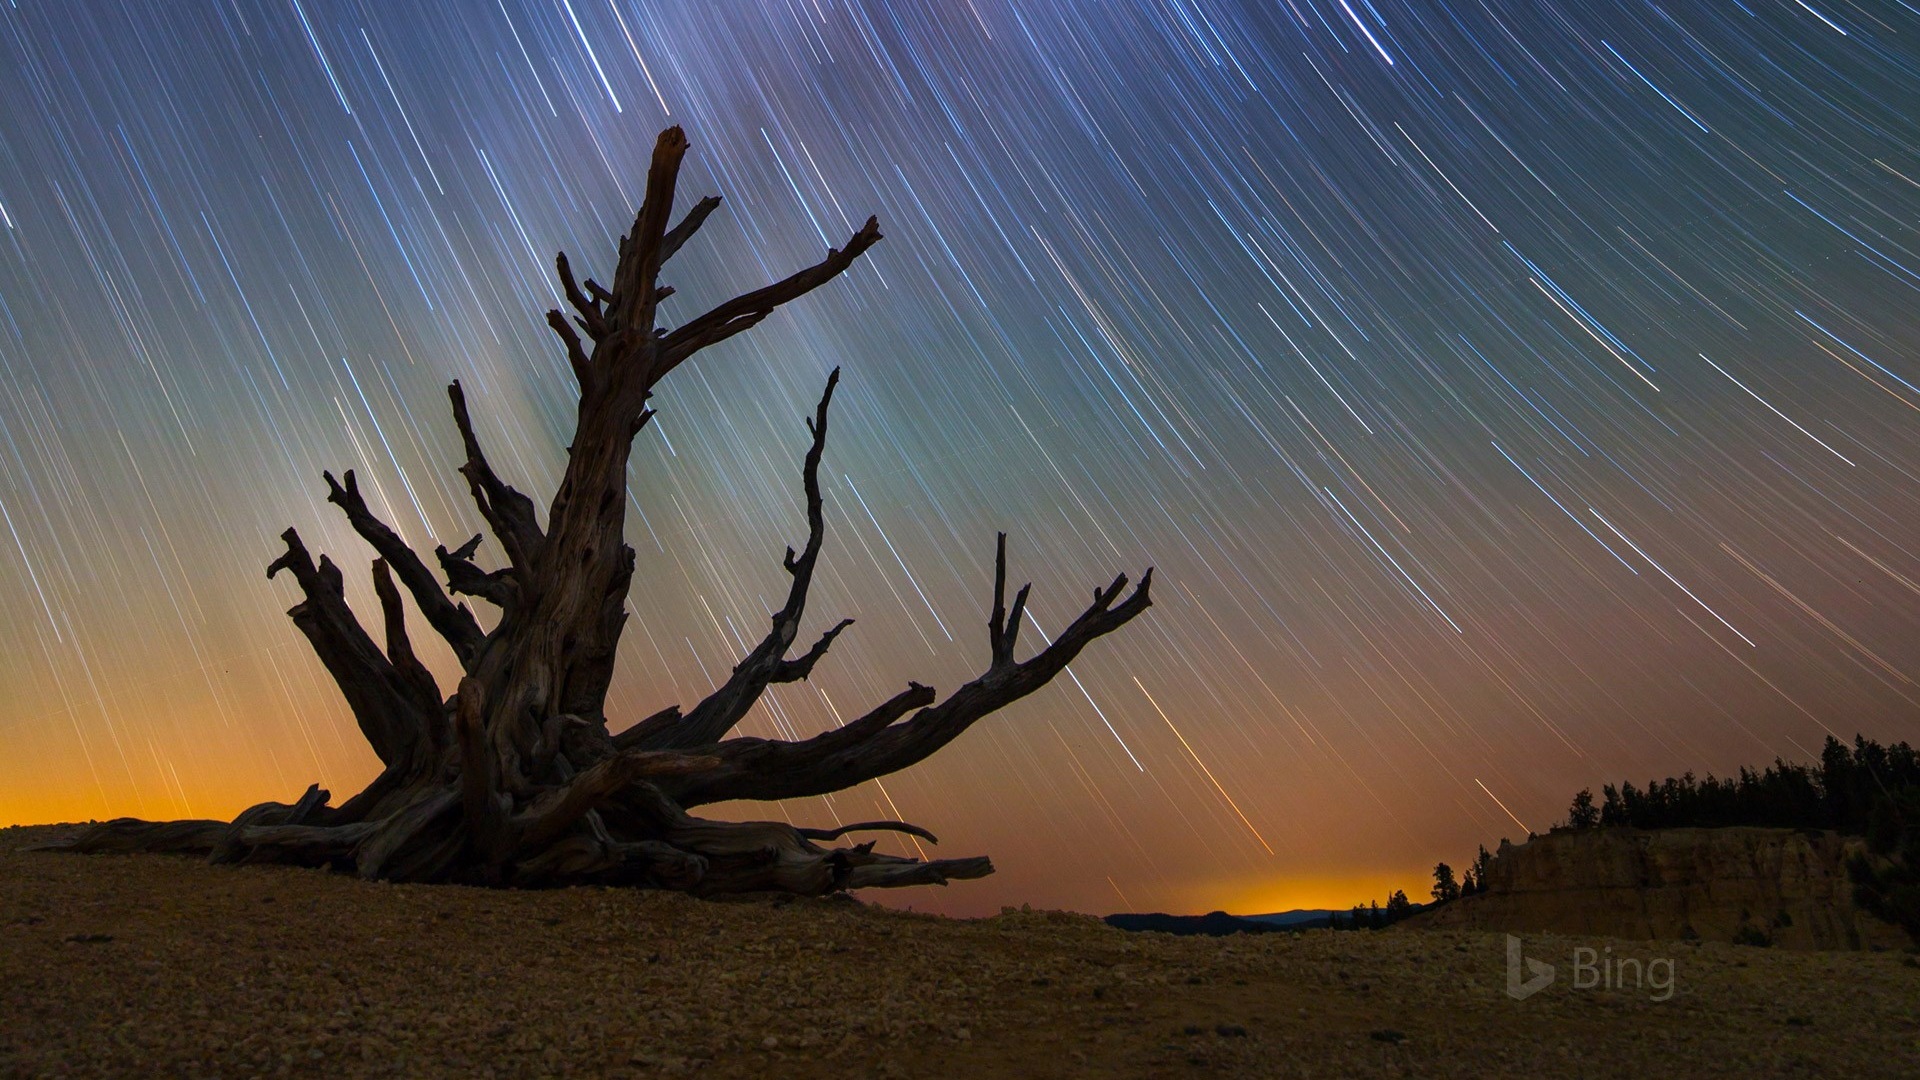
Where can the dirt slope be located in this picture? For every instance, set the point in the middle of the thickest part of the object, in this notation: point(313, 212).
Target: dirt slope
point(151, 966)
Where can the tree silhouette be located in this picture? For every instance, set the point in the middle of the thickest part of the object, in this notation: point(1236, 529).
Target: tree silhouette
point(1583, 814)
point(1844, 792)
point(516, 777)
point(1445, 888)
point(1482, 870)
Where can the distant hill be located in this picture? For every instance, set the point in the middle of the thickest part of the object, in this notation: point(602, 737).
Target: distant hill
point(1298, 919)
point(1220, 924)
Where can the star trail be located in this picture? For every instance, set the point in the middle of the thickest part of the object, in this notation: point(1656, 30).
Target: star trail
point(1511, 397)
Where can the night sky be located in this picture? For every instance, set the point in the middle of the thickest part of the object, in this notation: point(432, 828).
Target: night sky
point(1512, 397)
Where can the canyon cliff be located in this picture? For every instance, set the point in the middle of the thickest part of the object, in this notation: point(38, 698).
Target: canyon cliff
point(1784, 887)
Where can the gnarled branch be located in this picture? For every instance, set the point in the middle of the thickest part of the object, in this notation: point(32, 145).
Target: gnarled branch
point(743, 312)
point(1004, 632)
point(234, 846)
point(501, 588)
point(867, 748)
point(710, 720)
point(576, 353)
point(426, 692)
point(745, 761)
point(681, 233)
point(870, 826)
point(555, 812)
point(509, 513)
point(636, 275)
point(452, 621)
point(592, 318)
point(642, 735)
point(383, 701)
point(890, 872)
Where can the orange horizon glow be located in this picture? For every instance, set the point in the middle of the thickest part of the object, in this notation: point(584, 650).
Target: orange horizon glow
point(1316, 889)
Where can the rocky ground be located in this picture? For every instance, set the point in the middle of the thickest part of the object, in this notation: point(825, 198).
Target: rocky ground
point(155, 966)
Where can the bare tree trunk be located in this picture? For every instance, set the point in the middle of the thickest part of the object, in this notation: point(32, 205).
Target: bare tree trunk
point(515, 778)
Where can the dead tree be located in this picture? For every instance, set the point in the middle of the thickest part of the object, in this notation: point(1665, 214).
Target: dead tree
point(515, 778)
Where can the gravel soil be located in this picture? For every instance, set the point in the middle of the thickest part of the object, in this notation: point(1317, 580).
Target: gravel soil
point(148, 965)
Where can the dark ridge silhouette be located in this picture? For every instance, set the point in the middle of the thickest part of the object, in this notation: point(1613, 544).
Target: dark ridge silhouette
point(1221, 924)
point(1212, 924)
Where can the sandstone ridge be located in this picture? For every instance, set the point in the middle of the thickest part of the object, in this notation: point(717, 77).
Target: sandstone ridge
point(1784, 887)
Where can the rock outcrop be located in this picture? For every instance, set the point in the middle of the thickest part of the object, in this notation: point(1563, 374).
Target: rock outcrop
point(1784, 887)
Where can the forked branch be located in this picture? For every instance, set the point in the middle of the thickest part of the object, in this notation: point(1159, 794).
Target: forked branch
point(636, 276)
point(767, 664)
point(384, 702)
point(872, 746)
point(509, 513)
point(452, 621)
point(592, 316)
point(745, 311)
point(501, 588)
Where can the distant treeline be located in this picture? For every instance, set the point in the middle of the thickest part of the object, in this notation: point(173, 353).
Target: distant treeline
point(1864, 790)
point(1374, 916)
point(1446, 888)
point(1853, 790)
